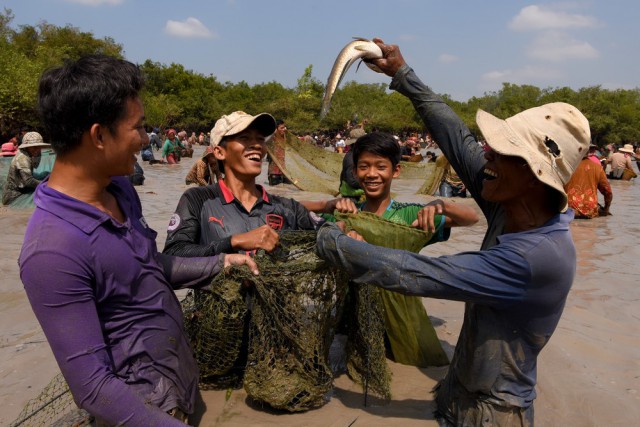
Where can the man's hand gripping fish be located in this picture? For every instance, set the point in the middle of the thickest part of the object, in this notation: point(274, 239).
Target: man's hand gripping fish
point(358, 49)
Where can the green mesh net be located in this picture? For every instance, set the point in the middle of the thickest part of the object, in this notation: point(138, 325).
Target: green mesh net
point(272, 336)
point(54, 406)
point(412, 337)
point(312, 168)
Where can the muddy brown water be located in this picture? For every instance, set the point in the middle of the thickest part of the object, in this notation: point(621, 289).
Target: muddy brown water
point(589, 374)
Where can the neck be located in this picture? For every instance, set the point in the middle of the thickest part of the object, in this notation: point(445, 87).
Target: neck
point(377, 206)
point(78, 180)
point(245, 191)
point(526, 215)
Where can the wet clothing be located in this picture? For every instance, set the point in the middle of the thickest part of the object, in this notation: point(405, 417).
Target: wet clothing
point(582, 189)
point(104, 298)
point(619, 162)
point(514, 288)
point(20, 179)
point(207, 217)
point(170, 152)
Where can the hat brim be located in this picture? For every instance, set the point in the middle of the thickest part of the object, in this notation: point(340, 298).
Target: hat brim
point(35, 144)
point(263, 123)
point(503, 140)
point(622, 150)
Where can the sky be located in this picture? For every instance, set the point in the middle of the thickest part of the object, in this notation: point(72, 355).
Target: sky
point(462, 48)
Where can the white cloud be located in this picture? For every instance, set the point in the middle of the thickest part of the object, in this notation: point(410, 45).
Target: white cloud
point(558, 46)
point(536, 17)
point(447, 58)
point(96, 2)
point(407, 37)
point(525, 75)
point(189, 28)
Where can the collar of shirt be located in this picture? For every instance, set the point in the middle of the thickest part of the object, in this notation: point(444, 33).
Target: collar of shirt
point(229, 197)
point(559, 222)
point(77, 213)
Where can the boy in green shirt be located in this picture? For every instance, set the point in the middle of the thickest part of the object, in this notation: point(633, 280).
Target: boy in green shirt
point(376, 158)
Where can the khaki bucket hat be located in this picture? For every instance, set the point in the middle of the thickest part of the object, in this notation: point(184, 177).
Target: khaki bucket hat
point(552, 139)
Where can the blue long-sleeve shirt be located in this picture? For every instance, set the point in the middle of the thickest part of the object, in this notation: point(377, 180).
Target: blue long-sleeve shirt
point(514, 288)
point(104, 298)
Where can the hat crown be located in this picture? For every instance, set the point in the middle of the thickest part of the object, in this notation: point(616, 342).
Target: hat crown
point(32, 139)
point(628, 148)
point(236, 122)
point(557, 133)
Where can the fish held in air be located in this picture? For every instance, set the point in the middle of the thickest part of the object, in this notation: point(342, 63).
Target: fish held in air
point(359, 48)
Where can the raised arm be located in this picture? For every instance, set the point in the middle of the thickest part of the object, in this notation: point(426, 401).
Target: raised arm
point(453, 137)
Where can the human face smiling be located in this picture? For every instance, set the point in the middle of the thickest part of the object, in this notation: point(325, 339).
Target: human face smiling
point(506, 178)
point(242, 153)
point(281, 129)
point(375, 174)
point(121, 146)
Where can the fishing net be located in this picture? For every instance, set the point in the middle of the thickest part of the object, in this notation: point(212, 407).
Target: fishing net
point(295, 305)
point(312, 168)
point(215, 321)
point(273, 337)
point(412, 337)
point(54, 406)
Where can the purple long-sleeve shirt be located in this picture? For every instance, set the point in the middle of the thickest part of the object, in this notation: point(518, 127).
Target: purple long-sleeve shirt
point(104, 298)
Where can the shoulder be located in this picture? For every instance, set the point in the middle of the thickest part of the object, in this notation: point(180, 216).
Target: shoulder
point(196, 197)
point(285, 202)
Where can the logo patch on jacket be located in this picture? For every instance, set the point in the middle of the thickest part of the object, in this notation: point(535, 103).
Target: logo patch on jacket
point(219, 221)
point(174, 222)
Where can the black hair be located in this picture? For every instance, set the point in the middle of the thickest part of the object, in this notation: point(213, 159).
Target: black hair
point(279, 122)
point(378, 143)
point(75, 96)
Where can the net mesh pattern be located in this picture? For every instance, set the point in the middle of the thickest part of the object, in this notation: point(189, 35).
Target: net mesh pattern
point(273, 336)
point(312, 168)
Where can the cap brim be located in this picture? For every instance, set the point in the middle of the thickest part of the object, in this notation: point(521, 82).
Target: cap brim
point(263, 123)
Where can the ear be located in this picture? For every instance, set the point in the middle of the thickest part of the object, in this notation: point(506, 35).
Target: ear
point(396, 171)
point(219, 153)
point(97, 135)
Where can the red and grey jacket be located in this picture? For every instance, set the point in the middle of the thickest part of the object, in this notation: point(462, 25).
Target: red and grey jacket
point(207, 217)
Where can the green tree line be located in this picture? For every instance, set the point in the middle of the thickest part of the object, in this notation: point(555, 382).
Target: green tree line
point(181, 98)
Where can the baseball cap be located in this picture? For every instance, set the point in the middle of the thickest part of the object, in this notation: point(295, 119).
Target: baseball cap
point(238, 121)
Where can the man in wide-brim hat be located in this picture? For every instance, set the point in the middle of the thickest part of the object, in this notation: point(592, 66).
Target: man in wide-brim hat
point(516, 286)
point(20, 179)
point(621, 161)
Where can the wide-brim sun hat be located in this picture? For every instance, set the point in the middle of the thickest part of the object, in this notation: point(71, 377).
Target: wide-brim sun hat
point(628, 148)
point(33, 139)
point(238, 121)
point(552, 139)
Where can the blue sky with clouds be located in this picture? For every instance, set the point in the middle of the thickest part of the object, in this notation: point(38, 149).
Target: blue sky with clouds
point(462, 48)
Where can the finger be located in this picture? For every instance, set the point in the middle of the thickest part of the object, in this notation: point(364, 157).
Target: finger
point(253, 266)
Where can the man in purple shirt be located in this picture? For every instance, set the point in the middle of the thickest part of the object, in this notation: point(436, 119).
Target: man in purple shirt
point(89, 263)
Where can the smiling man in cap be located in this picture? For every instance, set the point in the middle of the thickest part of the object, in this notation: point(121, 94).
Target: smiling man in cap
point(235, 214)
point(515, 287)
